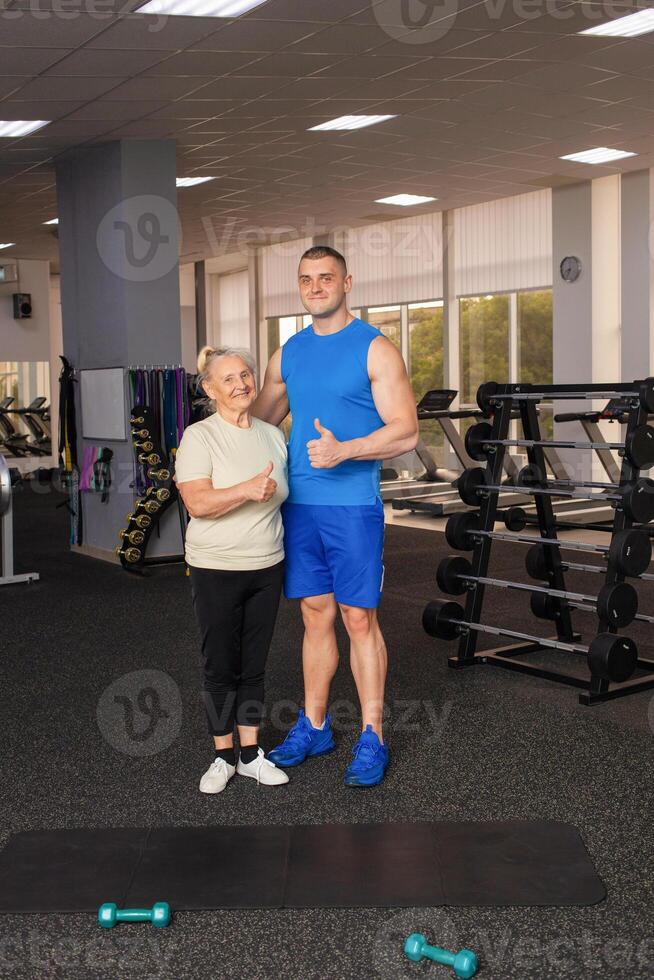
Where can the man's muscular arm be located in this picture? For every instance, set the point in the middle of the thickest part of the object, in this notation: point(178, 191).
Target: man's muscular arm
point(395, 404)
point(271, 404)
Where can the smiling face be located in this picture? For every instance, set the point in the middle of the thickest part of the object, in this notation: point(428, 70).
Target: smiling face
point(230, 384)
point(323, 286)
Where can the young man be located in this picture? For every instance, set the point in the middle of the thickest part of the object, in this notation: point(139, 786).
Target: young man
point(347, 389)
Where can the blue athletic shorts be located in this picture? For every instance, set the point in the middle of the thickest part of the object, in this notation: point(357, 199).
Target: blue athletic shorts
point(334, 549)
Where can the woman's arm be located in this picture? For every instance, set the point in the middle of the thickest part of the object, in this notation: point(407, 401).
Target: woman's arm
point(202, 499)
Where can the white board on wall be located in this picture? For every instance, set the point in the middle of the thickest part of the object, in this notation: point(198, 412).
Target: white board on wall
point(102, 393)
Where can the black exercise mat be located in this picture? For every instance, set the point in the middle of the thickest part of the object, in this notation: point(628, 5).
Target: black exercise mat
point(323, 866)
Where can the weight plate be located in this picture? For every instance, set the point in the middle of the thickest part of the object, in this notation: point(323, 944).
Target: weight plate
point(485, 393)
point(475, 438)
point(639, 447)
point(450, 572)
point(469, 484)
point(441, 619)
point(544, 606)
point(646, 395)
point(613, 658)
point(631, 550)
point(459, 528)
point(515, 519)
point(617, 603)
point(638, 501)
point(536, 563)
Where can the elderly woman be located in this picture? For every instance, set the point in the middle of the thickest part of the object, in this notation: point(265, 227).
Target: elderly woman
point(231, 473)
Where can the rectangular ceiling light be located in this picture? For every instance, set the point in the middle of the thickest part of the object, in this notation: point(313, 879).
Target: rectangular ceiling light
point(405, 200)
point(600, 154)
point(7, 244)
point(350, 122)
point(199, 8)
point(52, 221)
point(192, 181)
point(630, 26)
point(21, 127)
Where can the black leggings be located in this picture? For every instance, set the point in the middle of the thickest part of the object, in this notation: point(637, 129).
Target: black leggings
point(236, 613)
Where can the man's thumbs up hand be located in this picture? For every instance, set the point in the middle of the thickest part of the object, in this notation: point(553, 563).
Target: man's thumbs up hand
point(326, 452)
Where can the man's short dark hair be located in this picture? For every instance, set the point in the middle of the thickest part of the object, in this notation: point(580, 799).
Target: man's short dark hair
point(322, 252)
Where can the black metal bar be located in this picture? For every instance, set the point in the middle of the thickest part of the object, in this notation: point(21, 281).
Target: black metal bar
point(523, 667)
point(481, 553)
point(525, 392)
point(633, 686)
point(546, 519)
point(513, 649)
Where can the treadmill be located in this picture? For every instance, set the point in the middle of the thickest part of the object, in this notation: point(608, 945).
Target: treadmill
point(615, 410)
point(439, 503)
point(434, 478)
point(447, 501)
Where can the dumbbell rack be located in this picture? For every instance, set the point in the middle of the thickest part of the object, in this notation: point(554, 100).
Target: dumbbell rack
point(498, 402)
point(160, 495)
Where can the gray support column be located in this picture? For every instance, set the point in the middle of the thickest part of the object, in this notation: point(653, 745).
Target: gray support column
point(637, 267)
point(451, 362)
point(585, 224)
point(118, 239)
point(255, 311)
point(200, 305)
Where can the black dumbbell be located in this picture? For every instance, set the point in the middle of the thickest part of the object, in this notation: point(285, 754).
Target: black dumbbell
point(610, 657)
point(617, 603)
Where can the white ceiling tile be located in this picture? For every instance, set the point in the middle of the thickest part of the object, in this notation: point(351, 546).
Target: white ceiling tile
point(563, 48)
point(195, 109)
point(144, 129)
point(501, 44)
point(622, 87)
point(211, 63)
point(10, 85)
point(566, 77)
point(287, 64)
point(28, 61)
point(625, 57)
point(92, 61)
point(244, 35)
point(119, 111)
point(276, 10)
point(164, 87)
point(341, 39)
point(78, 132)
point(51, 32)
point(153, 33)
point(55, 89)
point(10, 109)
point(239, 87)
point(368, 66)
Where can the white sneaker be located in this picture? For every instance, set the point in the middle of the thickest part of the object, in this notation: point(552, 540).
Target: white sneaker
point(263, 770)
point(217, 776)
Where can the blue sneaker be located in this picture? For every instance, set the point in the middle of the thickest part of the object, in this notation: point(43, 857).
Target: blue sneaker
point(370, 761)
point(303, 742)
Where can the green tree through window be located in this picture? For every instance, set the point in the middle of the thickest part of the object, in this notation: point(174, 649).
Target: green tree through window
point(483, 343)
point(426, 368)
point(535, 354)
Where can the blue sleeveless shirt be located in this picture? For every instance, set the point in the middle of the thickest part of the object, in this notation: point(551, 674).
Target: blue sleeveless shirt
point(326, 377)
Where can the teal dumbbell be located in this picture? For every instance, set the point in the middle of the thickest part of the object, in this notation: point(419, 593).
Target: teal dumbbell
point(464, 963)
point(109, 915)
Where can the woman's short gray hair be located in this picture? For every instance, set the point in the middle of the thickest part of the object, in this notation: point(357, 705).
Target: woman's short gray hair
point(208, 355)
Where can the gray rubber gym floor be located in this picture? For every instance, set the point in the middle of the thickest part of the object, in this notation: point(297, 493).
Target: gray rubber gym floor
point(478, 744)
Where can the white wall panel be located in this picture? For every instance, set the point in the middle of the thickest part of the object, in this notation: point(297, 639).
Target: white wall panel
point(279, 289)
point(232, 310)
point(504, 245)
point(394, 261)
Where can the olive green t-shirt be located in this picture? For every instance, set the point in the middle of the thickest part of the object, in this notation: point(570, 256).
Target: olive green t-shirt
point(252, 535)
